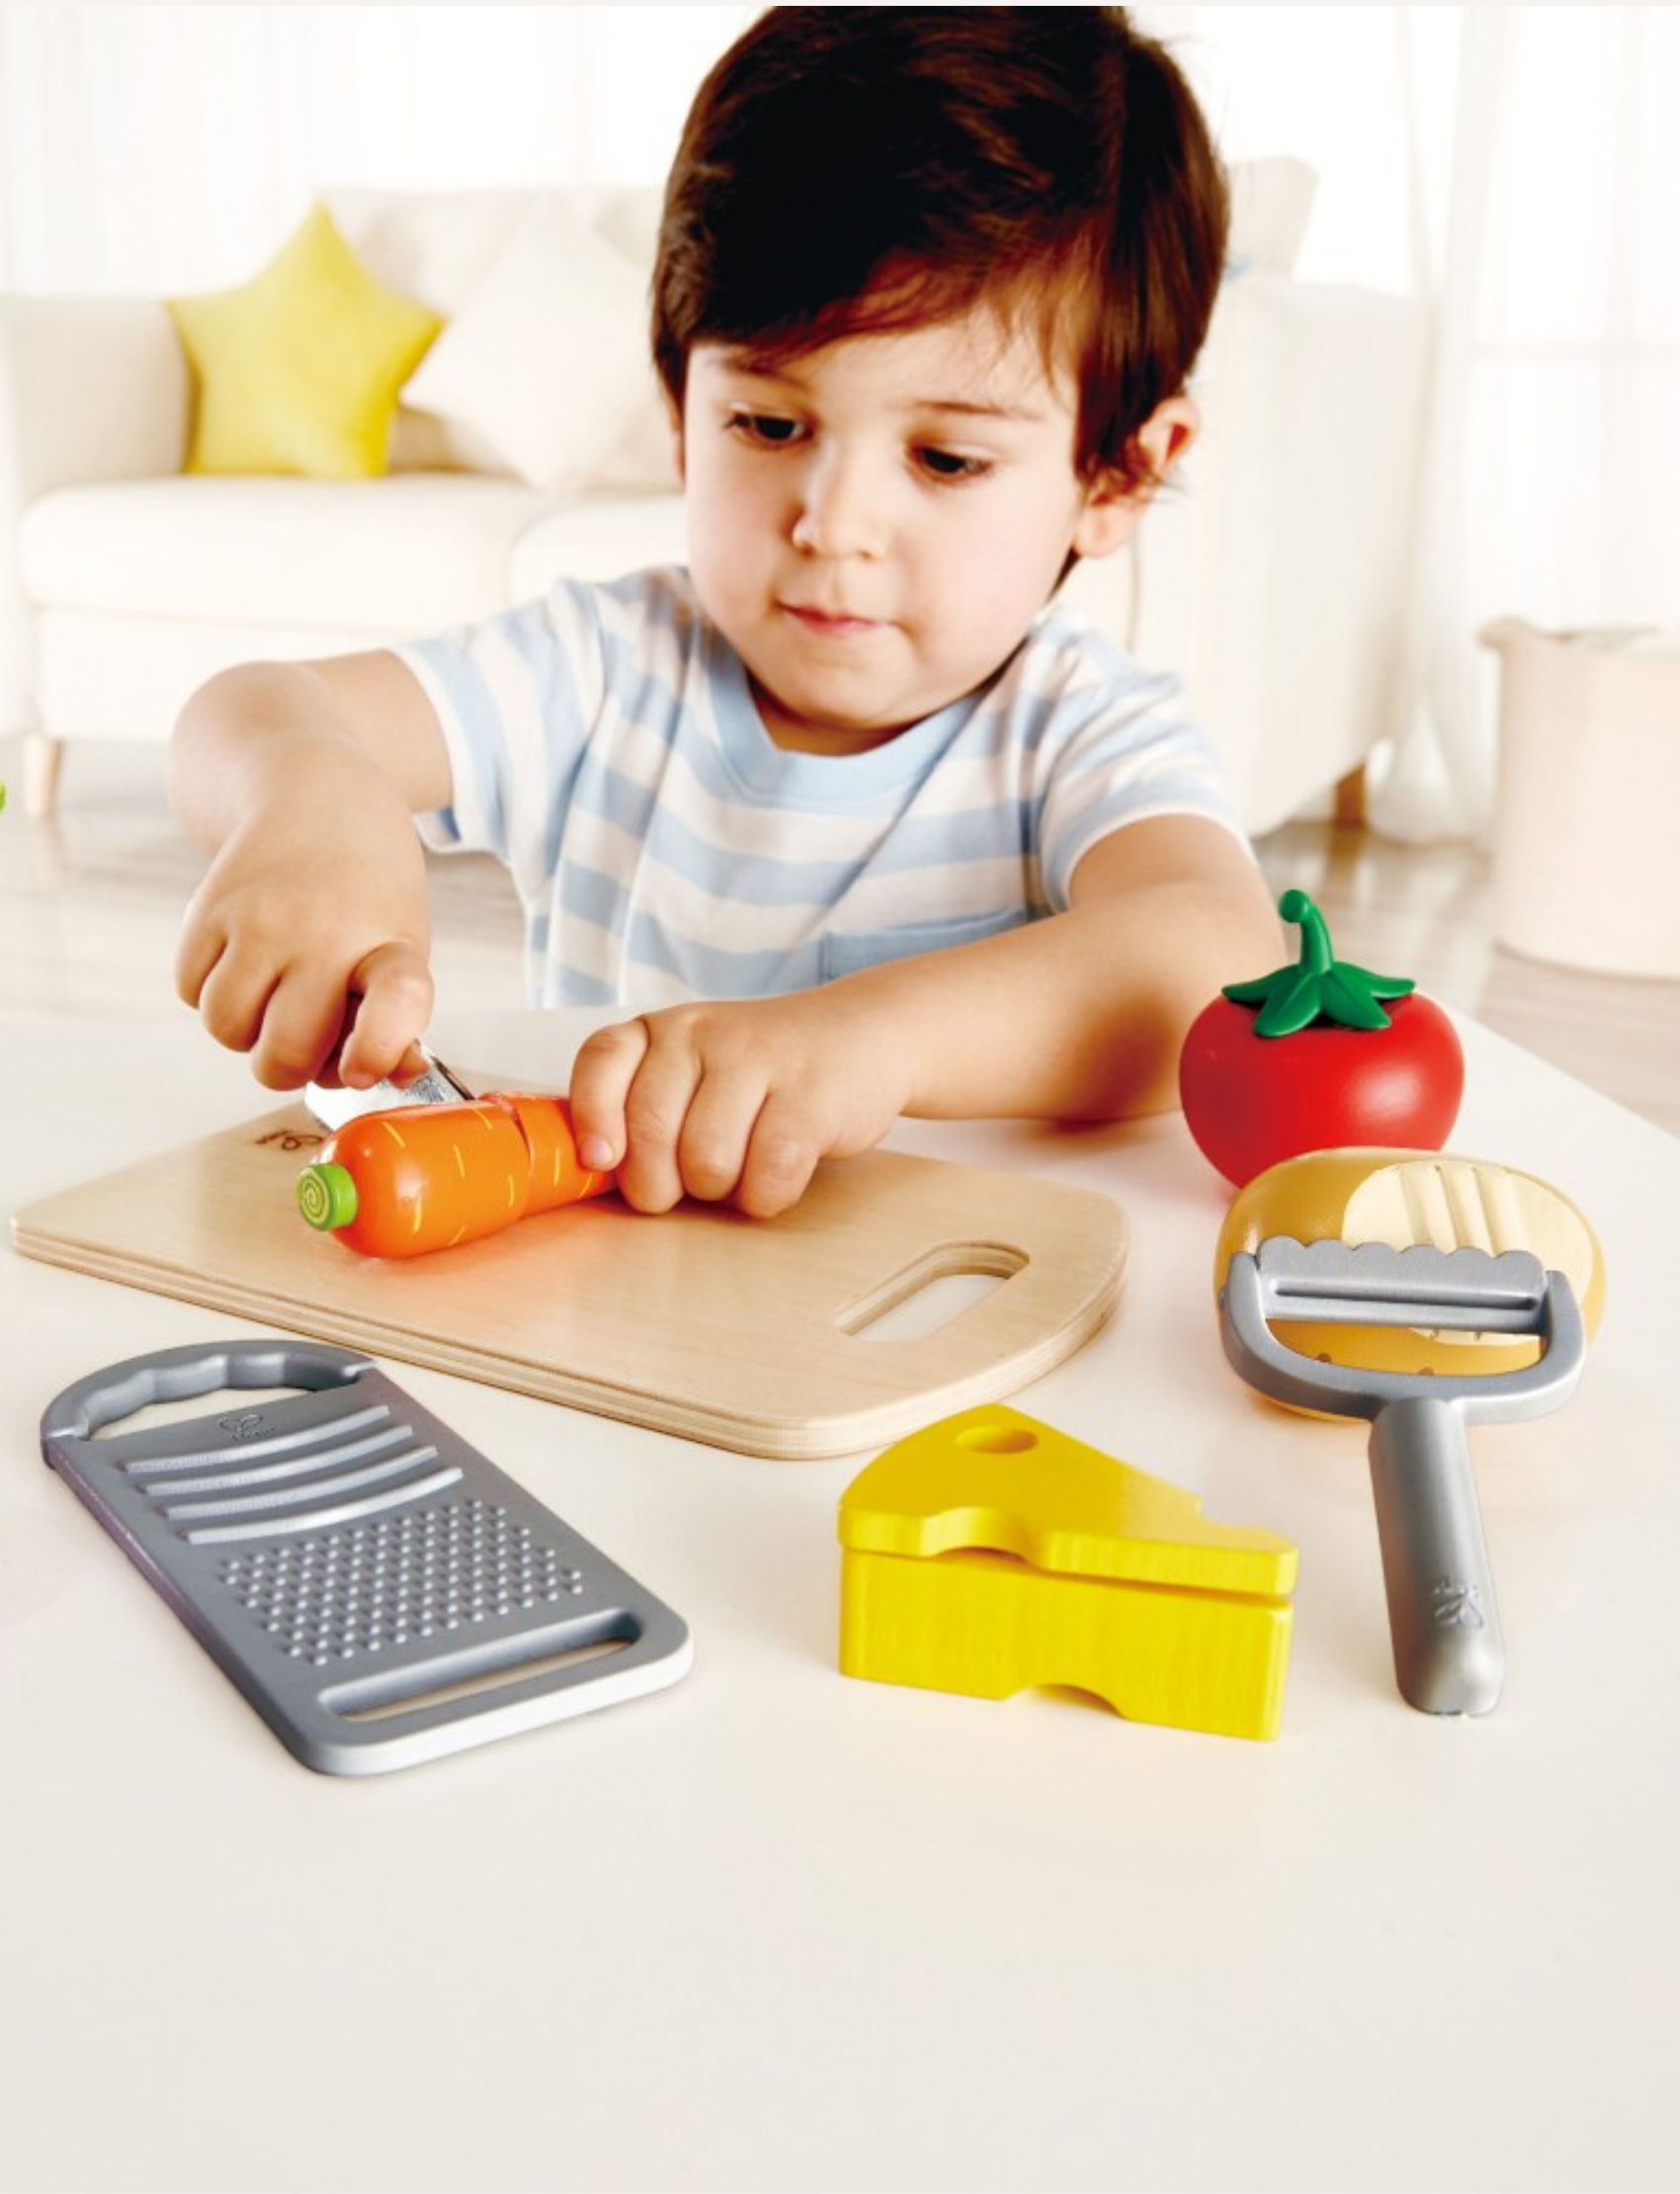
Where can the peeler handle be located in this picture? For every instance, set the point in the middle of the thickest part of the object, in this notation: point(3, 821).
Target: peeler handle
point(1449, 1654)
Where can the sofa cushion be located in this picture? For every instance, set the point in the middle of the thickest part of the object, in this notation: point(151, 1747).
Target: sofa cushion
point(403, 555)
point(598, 540)
point(298, 369)
point(440, 245)
point(102, 675)
point(434, 245)
point(548, 360)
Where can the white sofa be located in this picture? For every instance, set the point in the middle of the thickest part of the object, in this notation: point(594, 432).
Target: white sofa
point(1270, 578)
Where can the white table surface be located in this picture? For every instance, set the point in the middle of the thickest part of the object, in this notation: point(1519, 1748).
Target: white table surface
point(778, 1929)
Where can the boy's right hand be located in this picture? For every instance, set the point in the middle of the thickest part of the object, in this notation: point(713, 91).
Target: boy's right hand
point(306, 943)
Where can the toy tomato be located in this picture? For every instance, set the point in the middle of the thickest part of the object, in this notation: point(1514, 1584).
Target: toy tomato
point(1318, 1057)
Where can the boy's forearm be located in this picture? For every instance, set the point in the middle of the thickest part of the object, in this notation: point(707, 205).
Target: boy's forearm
point(1079, 1017)
point(251, 736)
point(271, 730)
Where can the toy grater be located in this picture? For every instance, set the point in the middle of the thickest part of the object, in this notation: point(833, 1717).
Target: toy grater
point(379, 1591)
point(1449, 1654)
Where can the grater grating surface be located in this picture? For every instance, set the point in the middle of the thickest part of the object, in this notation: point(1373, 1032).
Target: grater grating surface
point(378, 1590)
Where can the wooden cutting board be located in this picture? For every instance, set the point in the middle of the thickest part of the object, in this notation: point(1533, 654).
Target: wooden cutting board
point(753, 1334)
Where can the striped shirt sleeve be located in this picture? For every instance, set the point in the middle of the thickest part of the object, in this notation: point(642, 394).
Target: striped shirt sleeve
point(1124, 749)
point(516, 697)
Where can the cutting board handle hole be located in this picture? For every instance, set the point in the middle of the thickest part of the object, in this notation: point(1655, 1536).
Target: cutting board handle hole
point(941, 1286)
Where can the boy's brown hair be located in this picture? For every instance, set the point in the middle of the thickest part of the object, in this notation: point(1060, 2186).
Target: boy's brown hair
point(853, 170)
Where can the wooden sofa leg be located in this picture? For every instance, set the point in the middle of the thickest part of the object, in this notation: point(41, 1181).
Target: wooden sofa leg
point(1349, 810)
point(44, 758)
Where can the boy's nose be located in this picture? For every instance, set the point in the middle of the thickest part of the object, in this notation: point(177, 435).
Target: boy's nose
point(840, 513)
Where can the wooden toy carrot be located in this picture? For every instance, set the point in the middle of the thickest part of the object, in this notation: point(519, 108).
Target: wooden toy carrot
point(423, 1177)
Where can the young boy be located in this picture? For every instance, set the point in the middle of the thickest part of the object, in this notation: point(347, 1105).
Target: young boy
point(848, 817)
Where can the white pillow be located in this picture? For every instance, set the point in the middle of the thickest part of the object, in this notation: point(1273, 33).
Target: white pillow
point(645, 460)
point(547, 364)
point(434, 245)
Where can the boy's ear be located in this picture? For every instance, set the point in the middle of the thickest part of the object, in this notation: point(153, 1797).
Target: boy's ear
point(1116, 503)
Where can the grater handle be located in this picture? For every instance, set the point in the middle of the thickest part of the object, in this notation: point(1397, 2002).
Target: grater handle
point(653, 1648)
point(179, 1374)
point(1449, 1654)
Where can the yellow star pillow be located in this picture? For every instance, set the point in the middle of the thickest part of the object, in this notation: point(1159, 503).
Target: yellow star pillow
point(299, 370)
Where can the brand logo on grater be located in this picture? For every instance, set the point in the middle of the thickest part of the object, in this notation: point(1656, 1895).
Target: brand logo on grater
point(1459, 1604)
point(243, 1424)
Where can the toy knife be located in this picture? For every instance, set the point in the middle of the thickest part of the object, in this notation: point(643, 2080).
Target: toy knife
point(430, 1083)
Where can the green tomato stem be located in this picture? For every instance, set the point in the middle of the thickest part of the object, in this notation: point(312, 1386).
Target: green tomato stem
point(1315, 948)
point(1318, 987)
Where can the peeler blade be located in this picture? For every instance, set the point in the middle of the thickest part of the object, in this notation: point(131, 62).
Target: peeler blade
point(1457, 1289)
point(1461, 1290)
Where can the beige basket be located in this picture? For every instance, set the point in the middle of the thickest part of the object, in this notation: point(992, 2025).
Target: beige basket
point(1586, 831)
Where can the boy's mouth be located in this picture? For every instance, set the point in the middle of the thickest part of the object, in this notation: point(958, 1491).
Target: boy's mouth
point(831, 624)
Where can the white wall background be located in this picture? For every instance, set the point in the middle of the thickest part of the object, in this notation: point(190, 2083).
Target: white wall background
point(1517, 166)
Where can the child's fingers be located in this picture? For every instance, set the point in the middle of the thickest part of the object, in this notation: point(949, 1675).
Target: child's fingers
point(201, 947)
point(717, 1131)
point(390, 1005)
point(232, 999)
point(786, 1147)
point(601, 1077)
point(238, 996)
point(250, 1007)
point(299, 1028)
point(655, 1112)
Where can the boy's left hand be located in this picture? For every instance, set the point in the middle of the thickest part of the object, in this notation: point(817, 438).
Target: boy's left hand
point(736, 1101)
point(1080, 1017)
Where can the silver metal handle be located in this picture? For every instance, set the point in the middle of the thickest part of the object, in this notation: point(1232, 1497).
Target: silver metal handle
point(1449, 1654)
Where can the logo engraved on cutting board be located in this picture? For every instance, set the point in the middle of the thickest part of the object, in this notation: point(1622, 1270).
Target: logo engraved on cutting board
point(289, 1140)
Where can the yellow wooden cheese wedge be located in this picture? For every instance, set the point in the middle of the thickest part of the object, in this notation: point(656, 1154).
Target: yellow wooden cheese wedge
point(988, 1554)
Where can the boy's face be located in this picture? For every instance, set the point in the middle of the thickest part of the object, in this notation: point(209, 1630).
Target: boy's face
point(873, 524)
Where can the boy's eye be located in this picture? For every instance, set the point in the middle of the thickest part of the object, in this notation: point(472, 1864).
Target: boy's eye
point(767, 430)
point(951, 464)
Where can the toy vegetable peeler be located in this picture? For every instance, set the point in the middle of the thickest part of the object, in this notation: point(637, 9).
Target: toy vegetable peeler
point(1422, 1309)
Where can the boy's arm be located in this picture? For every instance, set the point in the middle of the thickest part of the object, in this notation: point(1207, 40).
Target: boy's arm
point(307, 944)
point(1079, 1017)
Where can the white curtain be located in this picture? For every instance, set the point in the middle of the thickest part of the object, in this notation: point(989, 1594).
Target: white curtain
point(1517, 166)
point(160, 148)
point(1554, 484)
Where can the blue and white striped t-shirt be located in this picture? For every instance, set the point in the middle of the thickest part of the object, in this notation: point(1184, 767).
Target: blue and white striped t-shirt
point(606, 746)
